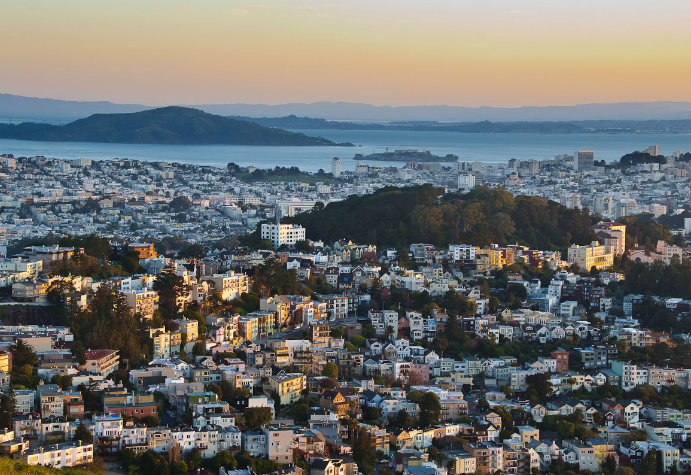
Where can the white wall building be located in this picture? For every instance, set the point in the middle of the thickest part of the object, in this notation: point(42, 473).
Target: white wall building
point(280, 234)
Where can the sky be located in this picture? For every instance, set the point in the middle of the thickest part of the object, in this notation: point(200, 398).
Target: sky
point(382, 52)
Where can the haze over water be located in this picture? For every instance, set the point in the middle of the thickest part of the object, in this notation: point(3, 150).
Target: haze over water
point(487, 148)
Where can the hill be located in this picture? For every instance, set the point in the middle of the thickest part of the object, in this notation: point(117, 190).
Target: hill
point(484, 127)
point(167, 125)
point(52, 109)
point(401, 216)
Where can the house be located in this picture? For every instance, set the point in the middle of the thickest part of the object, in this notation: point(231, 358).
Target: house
point(342, 401)
point(329, 466)
point(289, 387)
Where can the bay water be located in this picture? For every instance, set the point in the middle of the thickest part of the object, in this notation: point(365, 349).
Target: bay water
point(487, 148)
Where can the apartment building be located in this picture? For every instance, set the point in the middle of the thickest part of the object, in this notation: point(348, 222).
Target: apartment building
point(102, 361)
point(230, 285)
point(592, 255)
point(143, 302)
point(280, 234)
point(67, 454)
point(289, 387)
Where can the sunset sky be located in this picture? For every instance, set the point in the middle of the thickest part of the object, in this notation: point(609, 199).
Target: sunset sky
point(383, 52)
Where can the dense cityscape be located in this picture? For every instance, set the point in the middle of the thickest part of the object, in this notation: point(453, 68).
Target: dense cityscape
point(161, 318)
point(363, 237)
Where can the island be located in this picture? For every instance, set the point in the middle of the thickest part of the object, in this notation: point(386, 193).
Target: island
point(406, 156)
point(167, 125)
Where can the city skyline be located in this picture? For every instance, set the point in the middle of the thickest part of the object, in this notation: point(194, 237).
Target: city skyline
point(383, 53)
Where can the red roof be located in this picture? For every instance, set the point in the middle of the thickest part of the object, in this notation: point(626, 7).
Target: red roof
point(98, 354)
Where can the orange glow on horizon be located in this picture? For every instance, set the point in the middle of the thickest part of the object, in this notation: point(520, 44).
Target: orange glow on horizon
point(383, 52)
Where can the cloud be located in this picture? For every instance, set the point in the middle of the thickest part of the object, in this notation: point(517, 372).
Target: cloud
point(512, 12)
point(261, 5)
point(323, 15)
point(238, 11)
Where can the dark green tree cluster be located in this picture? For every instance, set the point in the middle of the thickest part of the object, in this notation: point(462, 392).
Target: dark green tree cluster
point(8, 406)
point(109, 324)
point(430, 407)
point(193, 251)
point(400, 216)
point(569, 426)
point(673, 280)
point(255, 417)
point(642, 230)
point(24, 359)
point(270, 278)
point(639, 158)
point(363, 452)
point(170, 287)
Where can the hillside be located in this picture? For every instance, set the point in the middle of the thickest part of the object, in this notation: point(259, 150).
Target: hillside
point(167, 125)
point(401, 216)
point(484, 127)
point(16, 466)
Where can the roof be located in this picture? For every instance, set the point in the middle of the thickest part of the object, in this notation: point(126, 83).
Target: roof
point(99, 354)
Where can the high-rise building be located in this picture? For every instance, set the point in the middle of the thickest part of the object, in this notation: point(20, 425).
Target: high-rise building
point(336, 167)
point(583, 160)
point(653, 150)
point(466, 182)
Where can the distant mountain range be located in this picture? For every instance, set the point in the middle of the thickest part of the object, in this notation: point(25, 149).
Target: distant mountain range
point(167, 125)
point(19, 107)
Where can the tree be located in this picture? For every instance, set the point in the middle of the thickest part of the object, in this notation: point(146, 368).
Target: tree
point(224, 459)
point(430, 407)
point(303, 247)
point(363, 452)
point(514, 302)
point(82, 433)
point(152, 463)
point(621, 470)
point(610, 465)
point(79, 352)
point(402, 419)
point(330, 370)
point(649, 463)
point(539, 386)
point(484, 290)
point(170, 288)
point(256, 416)
point(199, 349)
point(180, 203)
point(453, 328)
point(57, 289)
point(441, 344)
point(22, 355)
point(109, 324)
point(64, 381)
point(8, 407)
point(358, 341)
point(368, 331)
point(192, 251)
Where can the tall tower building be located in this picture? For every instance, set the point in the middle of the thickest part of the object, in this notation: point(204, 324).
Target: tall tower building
point(653, 150)
point(583, 160)
point(336, 167)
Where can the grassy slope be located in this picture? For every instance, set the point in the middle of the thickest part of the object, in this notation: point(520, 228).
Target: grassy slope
point(13, 466)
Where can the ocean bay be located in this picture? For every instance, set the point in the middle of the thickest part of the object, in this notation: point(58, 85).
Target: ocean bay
point(487, 148)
